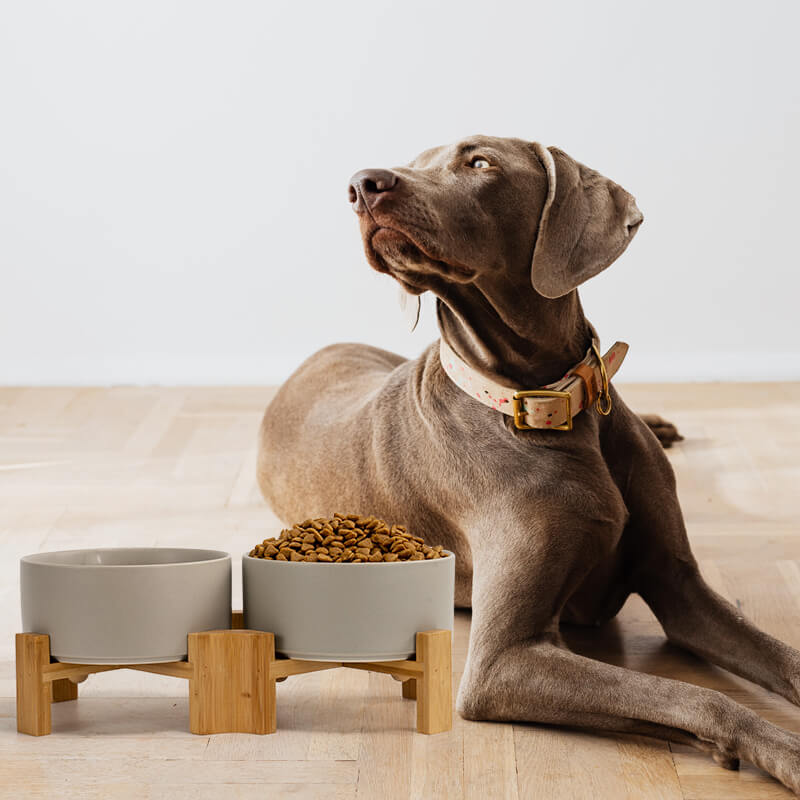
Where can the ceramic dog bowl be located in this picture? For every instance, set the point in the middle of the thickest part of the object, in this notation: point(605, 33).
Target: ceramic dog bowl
point(345, 611)
point(124, 605)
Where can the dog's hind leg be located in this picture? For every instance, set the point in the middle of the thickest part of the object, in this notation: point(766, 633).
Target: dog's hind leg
point(665, 431)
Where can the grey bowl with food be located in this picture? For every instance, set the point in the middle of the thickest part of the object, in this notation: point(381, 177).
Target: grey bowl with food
point(348, 611)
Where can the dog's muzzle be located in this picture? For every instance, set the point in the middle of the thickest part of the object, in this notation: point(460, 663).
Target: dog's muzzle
point(369, 186)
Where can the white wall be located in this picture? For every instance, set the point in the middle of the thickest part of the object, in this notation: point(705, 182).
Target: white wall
point(173, 174)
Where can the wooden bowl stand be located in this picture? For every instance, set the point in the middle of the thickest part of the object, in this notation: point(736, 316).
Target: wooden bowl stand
point(232, 675)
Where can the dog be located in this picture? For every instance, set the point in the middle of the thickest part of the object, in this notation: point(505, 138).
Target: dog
point(547, 526)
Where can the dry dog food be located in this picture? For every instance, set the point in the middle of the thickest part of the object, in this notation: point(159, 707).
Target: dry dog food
point(346, 537)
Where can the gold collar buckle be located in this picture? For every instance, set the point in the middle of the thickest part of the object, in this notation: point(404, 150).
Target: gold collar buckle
point(519, 408)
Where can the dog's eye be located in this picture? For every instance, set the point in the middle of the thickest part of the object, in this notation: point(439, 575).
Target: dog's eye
point(479, 162)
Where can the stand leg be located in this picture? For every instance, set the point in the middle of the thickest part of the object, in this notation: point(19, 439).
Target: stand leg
point(64, 689)
point(33, 694)
point(232, 690)
point(435, 686)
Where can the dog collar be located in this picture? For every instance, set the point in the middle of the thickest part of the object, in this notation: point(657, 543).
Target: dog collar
point(552, 406)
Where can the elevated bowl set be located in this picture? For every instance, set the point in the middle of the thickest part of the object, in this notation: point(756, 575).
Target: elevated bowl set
point(168, 611)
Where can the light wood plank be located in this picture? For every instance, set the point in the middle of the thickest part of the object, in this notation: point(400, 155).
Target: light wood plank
point(156, 772)
point(490, 761)
point(338, 714)
point(648, 769)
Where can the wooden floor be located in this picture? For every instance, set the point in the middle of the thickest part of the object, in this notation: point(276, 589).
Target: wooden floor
point(149, 466)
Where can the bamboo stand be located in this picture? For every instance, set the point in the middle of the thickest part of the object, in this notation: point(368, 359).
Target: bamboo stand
point(232, 675)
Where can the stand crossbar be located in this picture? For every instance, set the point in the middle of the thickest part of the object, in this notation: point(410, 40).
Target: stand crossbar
point(232, 676)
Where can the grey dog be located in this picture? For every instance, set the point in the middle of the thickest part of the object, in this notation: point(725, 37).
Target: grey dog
point(546, 526)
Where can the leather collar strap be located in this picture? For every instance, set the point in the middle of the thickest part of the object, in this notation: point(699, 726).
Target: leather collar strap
point(552, 406)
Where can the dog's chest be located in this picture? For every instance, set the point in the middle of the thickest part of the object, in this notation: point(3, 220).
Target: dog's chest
point(601, 595)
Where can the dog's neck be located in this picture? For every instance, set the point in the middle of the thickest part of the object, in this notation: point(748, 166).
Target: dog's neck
point(511, 334)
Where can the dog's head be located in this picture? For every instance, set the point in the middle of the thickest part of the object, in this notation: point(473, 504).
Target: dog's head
point(489, 205)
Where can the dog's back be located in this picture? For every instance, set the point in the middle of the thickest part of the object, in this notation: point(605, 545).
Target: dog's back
point(316, 426)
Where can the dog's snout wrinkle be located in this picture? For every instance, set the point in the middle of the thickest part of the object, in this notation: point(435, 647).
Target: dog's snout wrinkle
point(368, 186)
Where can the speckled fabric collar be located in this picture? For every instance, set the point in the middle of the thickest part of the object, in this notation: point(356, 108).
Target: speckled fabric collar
point(550, 407)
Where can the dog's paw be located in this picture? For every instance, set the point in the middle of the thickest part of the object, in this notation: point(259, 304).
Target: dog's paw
point(665, 432)
point(725, 759)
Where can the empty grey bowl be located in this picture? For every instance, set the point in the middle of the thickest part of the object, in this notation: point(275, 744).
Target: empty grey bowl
point(124, 605)
point(348, 612)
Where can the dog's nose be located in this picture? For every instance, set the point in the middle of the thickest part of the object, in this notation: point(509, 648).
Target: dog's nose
point(367, 186)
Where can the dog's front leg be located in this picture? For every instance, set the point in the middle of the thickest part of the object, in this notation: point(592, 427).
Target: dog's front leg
point(538, 681)
point(517, 670)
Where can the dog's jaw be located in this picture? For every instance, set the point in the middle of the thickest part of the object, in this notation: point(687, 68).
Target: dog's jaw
point(401, 254)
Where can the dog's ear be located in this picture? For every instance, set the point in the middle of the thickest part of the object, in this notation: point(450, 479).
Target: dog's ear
point(586, 223)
